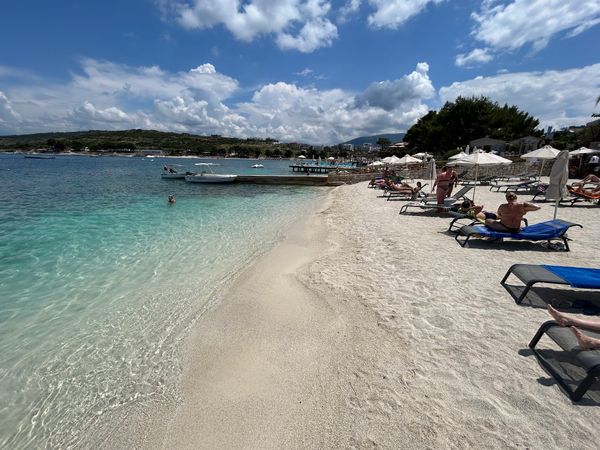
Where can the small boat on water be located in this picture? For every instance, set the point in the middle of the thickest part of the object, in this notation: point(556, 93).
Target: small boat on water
point(257, 166)
point(205, 177)
point(173, 171)
point(40, 157)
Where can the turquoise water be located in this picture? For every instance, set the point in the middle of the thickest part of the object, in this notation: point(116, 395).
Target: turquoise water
point(100, 279)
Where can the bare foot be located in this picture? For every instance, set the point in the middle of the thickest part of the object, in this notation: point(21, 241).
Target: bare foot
point(584, 341)
point(562, 320)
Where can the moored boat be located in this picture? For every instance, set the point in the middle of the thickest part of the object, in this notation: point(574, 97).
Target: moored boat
point(171, 171)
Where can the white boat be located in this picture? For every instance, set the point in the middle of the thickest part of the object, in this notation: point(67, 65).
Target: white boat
point(172, 171)
point(210, 178)
point(257, 166)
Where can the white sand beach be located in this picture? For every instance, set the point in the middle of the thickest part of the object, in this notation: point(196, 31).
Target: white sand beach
point(369, 329)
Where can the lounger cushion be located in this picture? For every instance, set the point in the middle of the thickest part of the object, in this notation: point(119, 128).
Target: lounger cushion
point(577, 277)
point(537, 232)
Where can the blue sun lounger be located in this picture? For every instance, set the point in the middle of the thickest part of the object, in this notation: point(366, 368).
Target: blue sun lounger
point(544, 231)
point(530, 274)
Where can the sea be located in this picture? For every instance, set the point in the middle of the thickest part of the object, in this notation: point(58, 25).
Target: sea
point(101, 280)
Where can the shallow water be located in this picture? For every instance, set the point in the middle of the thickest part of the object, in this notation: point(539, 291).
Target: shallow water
point(100, 279)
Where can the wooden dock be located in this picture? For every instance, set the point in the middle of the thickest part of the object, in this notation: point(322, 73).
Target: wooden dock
point(316, 168)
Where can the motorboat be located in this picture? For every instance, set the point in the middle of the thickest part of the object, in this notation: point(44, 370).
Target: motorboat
point(172, 171)
point(258, 166)
point(205, 177)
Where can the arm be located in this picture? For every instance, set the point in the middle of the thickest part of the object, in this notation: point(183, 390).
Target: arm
point(530, 207)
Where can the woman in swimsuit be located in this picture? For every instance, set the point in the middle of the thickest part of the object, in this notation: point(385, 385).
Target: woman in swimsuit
point(442, 184)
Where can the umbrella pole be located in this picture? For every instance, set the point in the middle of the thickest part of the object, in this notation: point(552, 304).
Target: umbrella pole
point(542, 168)
point(475, 185)
point(555, 208)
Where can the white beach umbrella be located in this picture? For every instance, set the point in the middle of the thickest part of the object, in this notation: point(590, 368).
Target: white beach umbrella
point(477, 159)
point(331, 158)
point(431, 172)
point(407, 159)
point(391, 159)
point(377, 163)
point(301, 157)
point(543, 153)
point(583, 151)
point(559, 176)
point(422, 155)
point(458, 156)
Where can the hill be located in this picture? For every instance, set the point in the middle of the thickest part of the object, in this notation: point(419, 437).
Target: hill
point(392, 137)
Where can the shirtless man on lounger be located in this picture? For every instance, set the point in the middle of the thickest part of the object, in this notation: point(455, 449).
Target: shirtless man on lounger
point(575, 323)
point(510, 214)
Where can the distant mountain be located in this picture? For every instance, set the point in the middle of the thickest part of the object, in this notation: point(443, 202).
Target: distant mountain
point(392, 137)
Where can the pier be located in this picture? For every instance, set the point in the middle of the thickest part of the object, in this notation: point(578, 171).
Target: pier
point(316, 168)
point(303, 180)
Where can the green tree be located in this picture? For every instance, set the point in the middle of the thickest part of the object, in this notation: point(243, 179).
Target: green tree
point(459, 122)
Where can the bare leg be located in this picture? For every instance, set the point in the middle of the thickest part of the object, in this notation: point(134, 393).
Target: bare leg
point(565, 321)
point(584, 341)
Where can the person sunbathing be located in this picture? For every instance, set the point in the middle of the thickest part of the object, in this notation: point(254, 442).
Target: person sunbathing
point(404, 187)
point(510, 214)
point(575, 323)
point(591, 178)
point(475, 211)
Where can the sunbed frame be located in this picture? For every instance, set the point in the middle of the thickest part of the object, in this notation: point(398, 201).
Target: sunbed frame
point(472, 230)
point(589, 360)
point(525, 186)
point(530, 274)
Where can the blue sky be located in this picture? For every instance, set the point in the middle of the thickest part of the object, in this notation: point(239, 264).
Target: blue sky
point(314, 71)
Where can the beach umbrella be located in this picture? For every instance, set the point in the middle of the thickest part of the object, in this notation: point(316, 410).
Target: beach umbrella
point(407, 159)
point(331, 158)
point(431, 172)
point(458, 156)
point(543, 153)
point(477, 159)
point(301, 157)
point(583, 151)
point(391, 160)
point(377, 163)
point(422, 155)
point(559, 176)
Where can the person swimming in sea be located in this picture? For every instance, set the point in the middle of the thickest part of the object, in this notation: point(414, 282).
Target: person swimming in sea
point(171, 199)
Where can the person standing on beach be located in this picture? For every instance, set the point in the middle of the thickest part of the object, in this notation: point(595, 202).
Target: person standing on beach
point(442, 184)
point(510, 214)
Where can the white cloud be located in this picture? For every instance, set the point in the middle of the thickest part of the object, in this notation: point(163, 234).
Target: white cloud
point(295, 24)
point(112, 96)
point(503, 26)
point(394, 13)
point(351, 7)
point(557, 98)
point(8, 116)
point(478, 55)
point(396, 94)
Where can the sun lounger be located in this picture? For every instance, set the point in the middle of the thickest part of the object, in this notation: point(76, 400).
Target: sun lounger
point(589, 360)
point(519, 176)
point(530, 274)
point(483, 181)
point(544, 231)
point(525, 186)
point(583, 196)
point(406, 194)
point(449, 202)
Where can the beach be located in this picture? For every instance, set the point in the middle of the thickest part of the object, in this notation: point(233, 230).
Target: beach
point(364, 328)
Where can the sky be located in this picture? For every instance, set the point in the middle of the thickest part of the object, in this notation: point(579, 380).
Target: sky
point(311, 71)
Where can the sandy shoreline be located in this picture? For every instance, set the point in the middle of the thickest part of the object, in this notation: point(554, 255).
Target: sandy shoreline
point(367, 329)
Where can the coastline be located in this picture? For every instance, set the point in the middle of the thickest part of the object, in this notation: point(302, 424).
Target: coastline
point(363, 328)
